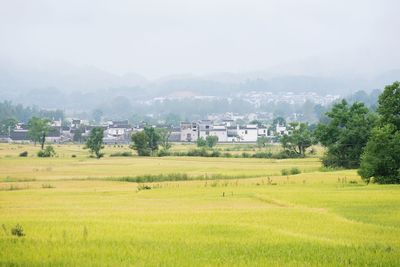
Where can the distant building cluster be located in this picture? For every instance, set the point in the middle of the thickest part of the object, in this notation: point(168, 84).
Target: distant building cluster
point(74, 130)
point(256, 98)
point(120, 132)
point(227, 131)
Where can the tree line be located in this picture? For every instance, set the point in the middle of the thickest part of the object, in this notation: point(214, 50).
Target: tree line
point(356, 137)
point(11, 114)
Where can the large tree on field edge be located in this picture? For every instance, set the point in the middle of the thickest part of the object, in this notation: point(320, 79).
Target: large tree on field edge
point(381, 157)
point(345, 134)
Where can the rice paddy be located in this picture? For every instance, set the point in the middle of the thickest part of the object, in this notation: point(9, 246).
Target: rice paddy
point(75, 212)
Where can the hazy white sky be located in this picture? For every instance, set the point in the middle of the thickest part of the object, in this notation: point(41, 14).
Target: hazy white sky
point(157, 38)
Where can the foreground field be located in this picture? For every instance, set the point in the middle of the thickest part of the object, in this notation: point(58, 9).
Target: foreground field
point(311, 219)
point(82, 167)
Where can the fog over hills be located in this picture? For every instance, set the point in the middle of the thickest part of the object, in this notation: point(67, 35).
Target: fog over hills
point(59, 82)
point(129, 55)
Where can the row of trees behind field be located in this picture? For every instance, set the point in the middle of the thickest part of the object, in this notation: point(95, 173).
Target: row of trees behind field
point(354, 137)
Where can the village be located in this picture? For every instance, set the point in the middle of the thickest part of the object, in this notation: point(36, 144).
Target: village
point(120, 132)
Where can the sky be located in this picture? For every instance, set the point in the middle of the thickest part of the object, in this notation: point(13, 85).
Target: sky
point(159, 38)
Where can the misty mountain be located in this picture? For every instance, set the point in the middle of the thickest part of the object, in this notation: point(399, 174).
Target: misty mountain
point(84, 88)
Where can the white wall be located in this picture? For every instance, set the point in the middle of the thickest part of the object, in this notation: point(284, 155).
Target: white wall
point(248, 135)
point(188, 135)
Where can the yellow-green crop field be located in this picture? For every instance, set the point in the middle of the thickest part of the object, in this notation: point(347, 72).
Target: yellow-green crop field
point(74, 213)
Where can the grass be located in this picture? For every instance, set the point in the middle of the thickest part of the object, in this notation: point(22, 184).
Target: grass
point(64, 166)
point(310, 219)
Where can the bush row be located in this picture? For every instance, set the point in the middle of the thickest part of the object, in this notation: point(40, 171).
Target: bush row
point(291, 171)
point(175, 177)
point(215, 153)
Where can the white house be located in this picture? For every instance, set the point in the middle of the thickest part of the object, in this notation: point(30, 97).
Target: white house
point(262, 132)
point(249, 133)
point(219, 131)
point(281, 129)
point(118, 132)
point(189, 132)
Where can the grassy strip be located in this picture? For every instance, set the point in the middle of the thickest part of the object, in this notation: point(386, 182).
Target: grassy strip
point(150, 178)
point(147, 178)
point(203, 152)
point(14, 180)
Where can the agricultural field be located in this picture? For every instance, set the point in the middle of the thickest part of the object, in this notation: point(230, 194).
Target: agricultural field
point(75, 211)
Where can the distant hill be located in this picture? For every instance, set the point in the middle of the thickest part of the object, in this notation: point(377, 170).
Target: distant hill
point(64, 86)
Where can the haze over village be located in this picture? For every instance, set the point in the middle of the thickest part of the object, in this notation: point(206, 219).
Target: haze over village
point(199, 133)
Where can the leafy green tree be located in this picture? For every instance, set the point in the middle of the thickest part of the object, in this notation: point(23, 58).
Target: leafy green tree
point(299, 139)
point(95, 141)
point(201, 142)
point(381, 158)
point(147, 141)
point(38, 129)
point(389, 105)
point(164, 135)
point(211, 140)
point(154, 138)
point(345, 134)
point(140, 142)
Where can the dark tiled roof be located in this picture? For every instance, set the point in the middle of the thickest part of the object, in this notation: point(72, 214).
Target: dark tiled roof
point(19, 135)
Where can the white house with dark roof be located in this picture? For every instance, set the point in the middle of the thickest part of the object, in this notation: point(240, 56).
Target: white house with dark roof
point(226, 132)
point(281, 129)
point(219, 131)
point(189, 132)
point(248, 133)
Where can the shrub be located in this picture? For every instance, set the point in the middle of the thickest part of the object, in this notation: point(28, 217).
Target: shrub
point(163, 153)
point(330, 169)
point(23, 154)
point(246, 155)
point(197, 153)
point(143, 187)
point(17, 230)
point(285, 172)
point(47, 152)
point(211, 141)
point(178, 154)
point(265, 155)
point(215, 153)
point(122, 154)
point(47, 186)
point(201, 142)
point(294, 171)
point(312, 151)
point(285, 155)
point(149, 178)
point(73, 155)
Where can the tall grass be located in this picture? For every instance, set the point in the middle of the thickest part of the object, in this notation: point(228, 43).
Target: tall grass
point(149, 178)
